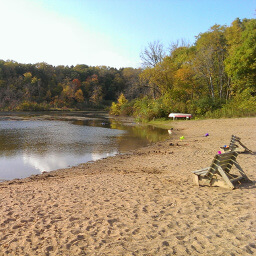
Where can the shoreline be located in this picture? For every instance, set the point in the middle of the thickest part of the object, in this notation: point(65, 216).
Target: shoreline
point(140, 203)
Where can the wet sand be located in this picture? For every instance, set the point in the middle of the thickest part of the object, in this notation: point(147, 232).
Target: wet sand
point(141, 203)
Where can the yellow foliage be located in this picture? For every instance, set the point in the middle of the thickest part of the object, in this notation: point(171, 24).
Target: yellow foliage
point(116, 108)
point(27, 76)
point(122, 100)
point(79, 95)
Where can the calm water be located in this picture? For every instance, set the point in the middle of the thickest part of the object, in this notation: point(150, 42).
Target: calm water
point(33, 146)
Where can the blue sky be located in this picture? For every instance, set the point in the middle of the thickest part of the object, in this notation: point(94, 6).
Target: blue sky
point(106, 32)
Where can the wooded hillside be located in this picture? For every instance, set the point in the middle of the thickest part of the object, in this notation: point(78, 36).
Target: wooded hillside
point(42, 86)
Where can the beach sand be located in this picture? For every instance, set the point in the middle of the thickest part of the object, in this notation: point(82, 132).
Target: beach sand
point(141, 203)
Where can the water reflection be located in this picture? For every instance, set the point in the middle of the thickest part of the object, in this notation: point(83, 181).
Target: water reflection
point(50, 136)
point(147, 133)
point(31, 147)
point(58, 161)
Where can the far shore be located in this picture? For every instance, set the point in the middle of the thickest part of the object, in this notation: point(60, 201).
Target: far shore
point(140, 203)
point(64, 116)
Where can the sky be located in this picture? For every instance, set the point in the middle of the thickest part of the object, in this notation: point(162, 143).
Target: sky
point(106, 32)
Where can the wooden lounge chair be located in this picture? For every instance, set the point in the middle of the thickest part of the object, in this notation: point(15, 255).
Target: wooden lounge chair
point(218, 174)
point(234, 147)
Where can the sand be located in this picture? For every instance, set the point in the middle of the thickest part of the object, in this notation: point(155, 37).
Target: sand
point(141, 203)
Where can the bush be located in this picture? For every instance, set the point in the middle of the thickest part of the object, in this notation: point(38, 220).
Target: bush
point(32, 106)
point(207, 104)
point(243, 104)
point(119, 108)
point(147, 109)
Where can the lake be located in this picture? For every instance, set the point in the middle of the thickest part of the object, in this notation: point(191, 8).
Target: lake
point(32, 143)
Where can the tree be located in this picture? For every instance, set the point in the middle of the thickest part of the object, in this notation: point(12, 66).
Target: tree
point(132, 88)
point(27, 77)
point(148, 81)
point(240, 64)
point(116, 108)
point(152, 55)
point(97, 95)
point(162, 78)
point(77, 84)
point(89, 84)
point(179, 44)
point(79, 96)
point(209, 60)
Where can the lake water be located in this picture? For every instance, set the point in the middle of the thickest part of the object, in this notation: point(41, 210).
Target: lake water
point(32, 145)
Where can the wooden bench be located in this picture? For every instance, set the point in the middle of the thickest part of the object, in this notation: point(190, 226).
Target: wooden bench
point(233, 145)
point(219, 172)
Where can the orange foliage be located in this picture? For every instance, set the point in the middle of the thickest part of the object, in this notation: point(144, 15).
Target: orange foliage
point(77, 83)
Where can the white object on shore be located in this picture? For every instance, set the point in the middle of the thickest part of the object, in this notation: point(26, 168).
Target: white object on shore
point(170, 131)
point(177, 115)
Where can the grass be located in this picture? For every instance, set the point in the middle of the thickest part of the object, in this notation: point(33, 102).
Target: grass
point(161, 123)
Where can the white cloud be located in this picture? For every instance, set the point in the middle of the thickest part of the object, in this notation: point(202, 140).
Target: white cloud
point(54, 161)
point(45, 164)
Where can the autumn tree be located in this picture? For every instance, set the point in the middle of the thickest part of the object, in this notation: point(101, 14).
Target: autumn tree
point(148, 82)
point(116, 108)
point(79, 97)
point(132, 88)
point(96, 95)
point(28, 90)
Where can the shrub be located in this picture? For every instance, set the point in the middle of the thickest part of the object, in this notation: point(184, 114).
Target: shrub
point(32, 106)
point(243, 104)
point(119, 108)
point(147, 109)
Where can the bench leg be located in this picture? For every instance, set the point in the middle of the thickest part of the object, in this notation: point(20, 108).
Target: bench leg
point(241, 170)
point(225, 178)
point(196, 179)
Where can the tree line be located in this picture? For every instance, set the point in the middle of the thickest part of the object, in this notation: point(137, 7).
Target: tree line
point(216, 76)
point(42, 86)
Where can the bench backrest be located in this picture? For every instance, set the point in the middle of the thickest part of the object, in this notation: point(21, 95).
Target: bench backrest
point(225, 161)
point(233, 145)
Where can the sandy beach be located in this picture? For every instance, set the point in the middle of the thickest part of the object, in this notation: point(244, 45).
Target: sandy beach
point(140, 203)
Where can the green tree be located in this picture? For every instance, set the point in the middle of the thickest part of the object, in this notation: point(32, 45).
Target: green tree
point(241, 63)
point(209, 60)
